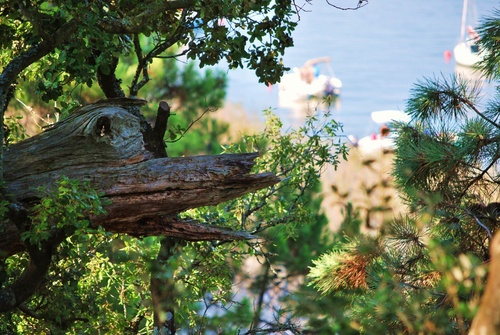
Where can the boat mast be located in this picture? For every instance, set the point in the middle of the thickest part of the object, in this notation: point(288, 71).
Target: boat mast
point(464, 18)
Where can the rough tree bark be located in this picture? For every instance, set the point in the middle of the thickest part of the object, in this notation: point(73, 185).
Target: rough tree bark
point(487, 319)
point(103, 144)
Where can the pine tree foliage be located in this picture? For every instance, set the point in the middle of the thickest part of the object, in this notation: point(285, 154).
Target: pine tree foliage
point(427, 273)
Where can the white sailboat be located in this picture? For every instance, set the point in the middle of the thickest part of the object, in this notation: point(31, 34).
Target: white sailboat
point(308, 82)
point(466, 52)
point(374, 144)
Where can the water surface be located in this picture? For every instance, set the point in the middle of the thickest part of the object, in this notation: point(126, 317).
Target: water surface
point(379, 52)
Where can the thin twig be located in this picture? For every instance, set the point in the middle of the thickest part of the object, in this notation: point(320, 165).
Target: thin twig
point(191, 124)
point(361, 3)
point(480, 223)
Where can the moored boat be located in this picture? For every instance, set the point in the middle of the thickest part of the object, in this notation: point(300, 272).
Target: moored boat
point(467, 52)
point(384, 140)
point(309, 81)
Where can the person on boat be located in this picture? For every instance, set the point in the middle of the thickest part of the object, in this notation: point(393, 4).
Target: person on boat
point(383, 133)
point(307, 73)
point(473, 34)
point(474, 39)
point(310, 69)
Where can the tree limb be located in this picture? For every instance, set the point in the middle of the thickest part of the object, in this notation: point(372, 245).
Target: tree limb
point(155, 141)
point(487, 319)
point(12, 70)
point(30, 279)
point(108, 82)
point(102, 144)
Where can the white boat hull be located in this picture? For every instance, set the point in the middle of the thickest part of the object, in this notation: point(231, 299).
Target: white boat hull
point(293, 88)
point(465, 56)
point(375, 146)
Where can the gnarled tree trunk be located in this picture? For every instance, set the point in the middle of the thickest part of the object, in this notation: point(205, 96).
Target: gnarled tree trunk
point(103, 144)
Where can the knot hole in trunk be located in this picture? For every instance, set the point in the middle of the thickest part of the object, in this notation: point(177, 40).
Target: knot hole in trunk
point(103, 126)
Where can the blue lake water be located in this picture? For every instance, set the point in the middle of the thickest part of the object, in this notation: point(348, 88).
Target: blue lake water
point(379, 52)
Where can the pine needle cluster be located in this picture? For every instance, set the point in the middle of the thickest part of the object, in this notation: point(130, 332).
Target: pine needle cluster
point(341, 270)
